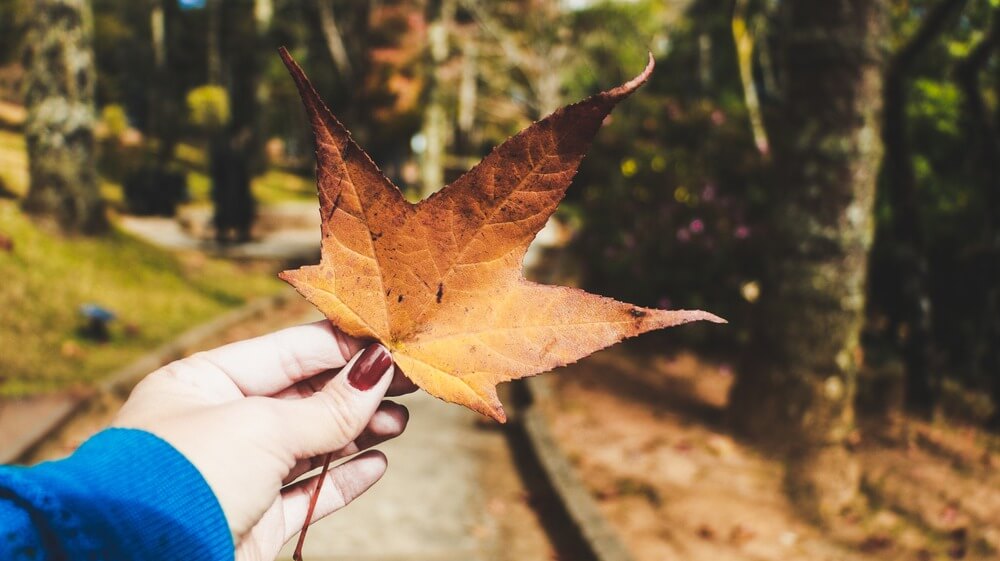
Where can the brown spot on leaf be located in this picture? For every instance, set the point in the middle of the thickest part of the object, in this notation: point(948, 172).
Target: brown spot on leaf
point(440, 293)
point(637, 313)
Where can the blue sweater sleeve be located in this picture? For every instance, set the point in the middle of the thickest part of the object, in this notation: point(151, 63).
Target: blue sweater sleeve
point(123, 495)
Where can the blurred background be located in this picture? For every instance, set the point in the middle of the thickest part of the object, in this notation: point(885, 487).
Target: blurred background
point(825, 175)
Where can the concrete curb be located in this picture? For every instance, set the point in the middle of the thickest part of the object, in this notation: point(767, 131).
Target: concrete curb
point(26, 421)
point(583, 511)
point(122, 380)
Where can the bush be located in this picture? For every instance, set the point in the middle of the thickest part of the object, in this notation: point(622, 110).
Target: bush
point(208, 107)
point(115, 120)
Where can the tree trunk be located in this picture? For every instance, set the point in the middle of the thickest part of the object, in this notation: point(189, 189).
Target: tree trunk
point(910, 318)
point(334, 40)
point(346, 31)
point(796, 387)
point(234, 150)
point(165, 113)
point(435, 126)
point(59, 130)
point(467, 97)
point(984, 160)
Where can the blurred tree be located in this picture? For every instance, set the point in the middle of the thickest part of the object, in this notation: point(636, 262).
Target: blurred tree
point(910, 320)
point(13, 16)
point(667, 199)
point(746, 33)
point(334, 39)
point(984, 157)
point(155, 184)
point(161, 91)
point(350, 35)
point(59, 95)
point(234, 146)
point(436, 125)
point(931, 256)
point(538, 48)
point(796, 386)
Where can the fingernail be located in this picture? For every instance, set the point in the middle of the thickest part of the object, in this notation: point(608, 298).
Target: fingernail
point(370, 367)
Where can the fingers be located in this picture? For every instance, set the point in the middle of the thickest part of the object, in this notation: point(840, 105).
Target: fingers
point(387, 423)
point(343, 484)
point(266, 365)
point(401, 385)
point(331, 418)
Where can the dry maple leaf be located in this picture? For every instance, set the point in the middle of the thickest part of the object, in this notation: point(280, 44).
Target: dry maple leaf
point(439, 282)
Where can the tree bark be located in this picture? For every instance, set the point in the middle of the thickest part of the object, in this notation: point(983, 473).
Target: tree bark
point(910, 319)
point(59, 130)
point(796, 387)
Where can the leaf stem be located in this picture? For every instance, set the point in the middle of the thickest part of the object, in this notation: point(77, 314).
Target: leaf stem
point(297, 556)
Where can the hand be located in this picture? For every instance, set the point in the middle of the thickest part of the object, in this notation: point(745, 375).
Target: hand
point(255, 415)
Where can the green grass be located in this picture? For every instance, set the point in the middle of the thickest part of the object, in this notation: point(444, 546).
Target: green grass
point(13, 162)
point(271, 187)
point(276, 186)
point(14, 168)
point(156, 295)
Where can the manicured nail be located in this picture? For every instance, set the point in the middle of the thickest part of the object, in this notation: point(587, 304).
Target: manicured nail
point(370, 367)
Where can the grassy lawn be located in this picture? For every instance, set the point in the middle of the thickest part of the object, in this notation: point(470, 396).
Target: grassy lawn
point(155, 294)
point(13, 162)
point(46, 278)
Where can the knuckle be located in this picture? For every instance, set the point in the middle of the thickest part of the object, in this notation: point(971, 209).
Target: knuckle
point(340, 421)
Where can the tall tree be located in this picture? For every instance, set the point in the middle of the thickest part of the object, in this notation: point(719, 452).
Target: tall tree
point(234, 148)
point(796, 387)
point(911, 316)
point(984, 161)
point(59, 95)
point(440, 14)
point(346, 29)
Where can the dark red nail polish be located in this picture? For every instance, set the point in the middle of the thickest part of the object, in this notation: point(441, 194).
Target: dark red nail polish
point(370, 367)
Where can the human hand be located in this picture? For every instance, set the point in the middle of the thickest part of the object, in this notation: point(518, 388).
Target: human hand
point(254, 416)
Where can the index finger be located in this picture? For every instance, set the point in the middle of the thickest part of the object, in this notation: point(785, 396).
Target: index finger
point(268, 364)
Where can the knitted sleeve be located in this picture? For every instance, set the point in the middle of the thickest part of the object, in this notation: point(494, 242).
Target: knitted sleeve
point(123, 495)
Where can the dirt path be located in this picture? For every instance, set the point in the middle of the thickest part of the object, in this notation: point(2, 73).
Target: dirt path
point(647, 435)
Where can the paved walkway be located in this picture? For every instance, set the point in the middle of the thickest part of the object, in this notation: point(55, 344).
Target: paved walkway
point(294, 233)
point(24, 421)
point(428, 505)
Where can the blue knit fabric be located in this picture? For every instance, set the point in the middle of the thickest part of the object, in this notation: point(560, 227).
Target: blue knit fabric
point(124, 495)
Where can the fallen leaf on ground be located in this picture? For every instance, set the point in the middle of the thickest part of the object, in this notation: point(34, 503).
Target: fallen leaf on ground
point(439, 283)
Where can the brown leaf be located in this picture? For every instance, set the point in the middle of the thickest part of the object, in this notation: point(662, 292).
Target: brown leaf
point(439, 283)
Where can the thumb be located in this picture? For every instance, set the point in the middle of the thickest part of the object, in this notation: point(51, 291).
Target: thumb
point(334, 416)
